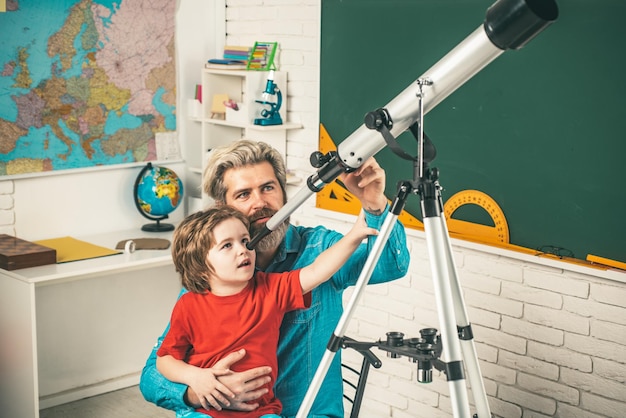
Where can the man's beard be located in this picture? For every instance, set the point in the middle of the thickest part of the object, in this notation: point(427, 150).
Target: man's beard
point(274, 238)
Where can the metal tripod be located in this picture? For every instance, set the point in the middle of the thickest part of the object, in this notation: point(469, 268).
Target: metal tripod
point(456, 341)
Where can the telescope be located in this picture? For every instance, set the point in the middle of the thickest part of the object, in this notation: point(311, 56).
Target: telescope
point(509, 24)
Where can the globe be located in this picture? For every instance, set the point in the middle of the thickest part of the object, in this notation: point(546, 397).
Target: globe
point(158, 191)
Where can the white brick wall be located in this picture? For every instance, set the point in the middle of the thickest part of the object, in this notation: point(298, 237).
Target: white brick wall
point(551, 341)
point(7, 214)
point(537, 357)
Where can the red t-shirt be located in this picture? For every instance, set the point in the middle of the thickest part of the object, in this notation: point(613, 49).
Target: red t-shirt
point(205, 328)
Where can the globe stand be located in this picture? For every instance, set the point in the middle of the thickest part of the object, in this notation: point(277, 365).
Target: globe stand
point(158, 226)
point(151, 227)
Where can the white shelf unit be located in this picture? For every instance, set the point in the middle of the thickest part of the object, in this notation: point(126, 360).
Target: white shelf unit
point(245, 88)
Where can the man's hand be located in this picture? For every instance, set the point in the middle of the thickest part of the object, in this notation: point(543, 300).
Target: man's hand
point(246, 386)
point(367, 183)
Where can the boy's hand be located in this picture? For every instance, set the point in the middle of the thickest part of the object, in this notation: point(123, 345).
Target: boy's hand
point(210, 392)
point(360, 230)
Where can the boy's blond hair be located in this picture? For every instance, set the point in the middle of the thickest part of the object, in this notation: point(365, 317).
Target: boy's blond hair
point(192, 240)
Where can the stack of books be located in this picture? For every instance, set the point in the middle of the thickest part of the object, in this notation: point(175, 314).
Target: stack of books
point(234, 58)
point(233, 52)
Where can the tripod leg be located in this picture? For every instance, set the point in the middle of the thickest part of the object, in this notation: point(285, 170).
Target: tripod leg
point(467, 342)
point(451, 346)
point(334, 344)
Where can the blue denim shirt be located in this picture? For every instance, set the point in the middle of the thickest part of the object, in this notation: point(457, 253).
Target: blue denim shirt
point(304, 334)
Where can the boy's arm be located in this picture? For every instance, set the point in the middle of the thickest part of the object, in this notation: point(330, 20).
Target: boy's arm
point(210, 392)
point(329, 262)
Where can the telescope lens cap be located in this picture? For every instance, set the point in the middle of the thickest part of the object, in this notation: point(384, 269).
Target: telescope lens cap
point(511, 24)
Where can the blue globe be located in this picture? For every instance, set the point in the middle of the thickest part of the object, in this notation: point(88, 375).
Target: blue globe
point(158, 192)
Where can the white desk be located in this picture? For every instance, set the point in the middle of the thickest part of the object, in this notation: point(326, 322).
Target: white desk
point(72, 330)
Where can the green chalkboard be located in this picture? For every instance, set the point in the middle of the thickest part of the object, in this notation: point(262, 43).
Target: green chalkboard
point(541, 129)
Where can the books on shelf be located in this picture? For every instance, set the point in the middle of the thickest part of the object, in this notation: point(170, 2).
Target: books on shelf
point(234, 58)
point(198, 93)
point(237, 52)
point(226, 64)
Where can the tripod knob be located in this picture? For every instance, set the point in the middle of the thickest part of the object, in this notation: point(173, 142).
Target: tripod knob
point(377, 119)
point(318, 159)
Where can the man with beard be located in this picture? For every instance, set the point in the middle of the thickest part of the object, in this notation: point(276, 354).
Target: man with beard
point(251, 177)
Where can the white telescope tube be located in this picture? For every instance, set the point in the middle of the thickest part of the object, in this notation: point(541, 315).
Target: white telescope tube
point(509, 24)
point(447, 75)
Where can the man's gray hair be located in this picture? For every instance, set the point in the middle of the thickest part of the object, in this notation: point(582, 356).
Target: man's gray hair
point(239, 154)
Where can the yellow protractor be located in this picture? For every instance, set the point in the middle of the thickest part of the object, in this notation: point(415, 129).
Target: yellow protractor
point(499, 233)
point(333, 196)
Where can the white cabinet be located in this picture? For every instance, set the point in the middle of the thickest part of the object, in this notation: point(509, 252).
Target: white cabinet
point(79, 329)
point(244, 88)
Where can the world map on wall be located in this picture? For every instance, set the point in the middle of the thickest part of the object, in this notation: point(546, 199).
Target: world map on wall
point(85, 83)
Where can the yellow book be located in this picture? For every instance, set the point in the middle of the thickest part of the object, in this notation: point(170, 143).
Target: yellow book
point(72, 249)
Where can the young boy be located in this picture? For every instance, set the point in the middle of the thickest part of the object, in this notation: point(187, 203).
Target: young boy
point(230, 307)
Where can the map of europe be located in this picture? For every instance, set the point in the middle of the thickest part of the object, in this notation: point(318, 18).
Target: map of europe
point(84, 83)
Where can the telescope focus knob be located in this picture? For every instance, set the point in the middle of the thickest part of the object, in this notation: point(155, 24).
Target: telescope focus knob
point(318, 159)
point(378, 118)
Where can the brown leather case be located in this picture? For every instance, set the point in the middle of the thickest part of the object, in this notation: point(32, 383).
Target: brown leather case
point(16, 253)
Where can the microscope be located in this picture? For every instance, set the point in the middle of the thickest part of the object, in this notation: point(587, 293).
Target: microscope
point(271, 116)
